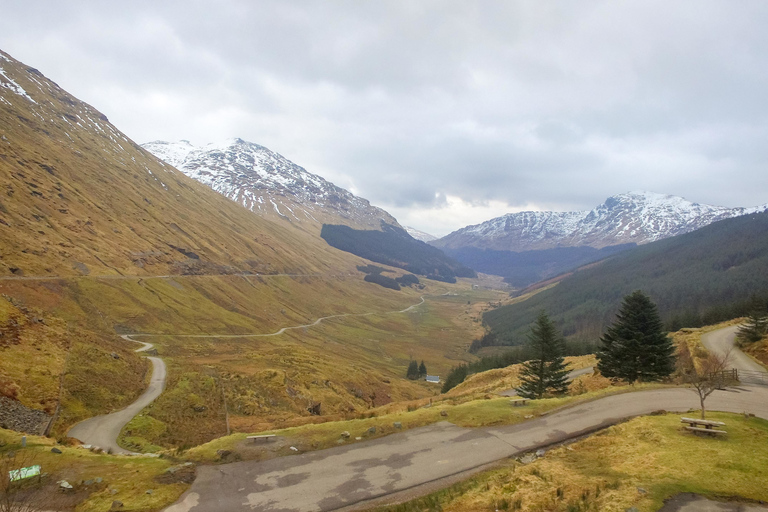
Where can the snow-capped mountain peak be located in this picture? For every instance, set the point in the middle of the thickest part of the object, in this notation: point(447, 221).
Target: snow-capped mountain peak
point(633, 217)
point(268, 183)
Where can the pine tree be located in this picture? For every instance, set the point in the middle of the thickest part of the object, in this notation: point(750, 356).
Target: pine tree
point(413, 370)
point(635, 348)
point(548, 373)
point(755, 327)
point(422, 370)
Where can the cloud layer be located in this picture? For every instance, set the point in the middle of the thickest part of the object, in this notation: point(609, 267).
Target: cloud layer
point(445, 113)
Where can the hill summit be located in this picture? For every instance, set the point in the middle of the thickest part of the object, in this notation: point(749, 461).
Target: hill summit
point(269, 184)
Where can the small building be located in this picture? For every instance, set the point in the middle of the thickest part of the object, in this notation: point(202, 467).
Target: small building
point(435, 379)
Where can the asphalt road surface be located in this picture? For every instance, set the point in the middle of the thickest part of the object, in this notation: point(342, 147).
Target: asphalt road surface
point(102, 431)
point(350, 477)
point(722, 342)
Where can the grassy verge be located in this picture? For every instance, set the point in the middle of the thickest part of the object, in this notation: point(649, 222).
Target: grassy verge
point(635, 464)
point(126, 479)
point(472, 413)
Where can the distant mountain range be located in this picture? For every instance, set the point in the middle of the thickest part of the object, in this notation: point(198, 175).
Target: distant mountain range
point(699, 278)
point(269, 184)
point(634, 217)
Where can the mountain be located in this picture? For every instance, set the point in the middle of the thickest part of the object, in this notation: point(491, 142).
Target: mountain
point(698, 278)
point(99, 237)
point(634, 217)
point(79, 197)
point(269, 184)
point(419, 235)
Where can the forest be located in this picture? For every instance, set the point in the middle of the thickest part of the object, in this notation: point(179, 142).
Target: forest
point(395, 247)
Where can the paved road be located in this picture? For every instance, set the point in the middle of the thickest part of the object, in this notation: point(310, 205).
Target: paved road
point(349, 477)
point(102, 431)
point(722, 341)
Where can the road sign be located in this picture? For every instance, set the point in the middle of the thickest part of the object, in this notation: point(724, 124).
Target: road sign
point(20, 474)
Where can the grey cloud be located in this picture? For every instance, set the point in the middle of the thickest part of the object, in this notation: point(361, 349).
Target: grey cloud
point(557, 104)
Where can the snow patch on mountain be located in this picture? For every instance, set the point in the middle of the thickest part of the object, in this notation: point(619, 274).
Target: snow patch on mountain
point(420, 235)
point(635, 217)
point(268, 183)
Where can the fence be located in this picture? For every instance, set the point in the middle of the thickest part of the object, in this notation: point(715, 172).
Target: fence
point(753, 377)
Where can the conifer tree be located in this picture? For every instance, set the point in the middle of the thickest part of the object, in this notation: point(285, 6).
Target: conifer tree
point(413, 370)
point(547, 373)
point(422, 370)
point(635, 348)
point(755, 327)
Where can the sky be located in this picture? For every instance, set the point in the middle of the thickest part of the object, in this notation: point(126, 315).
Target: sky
point(444, 113)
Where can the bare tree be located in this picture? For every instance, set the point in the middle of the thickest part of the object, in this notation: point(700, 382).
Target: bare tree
point(708, 377)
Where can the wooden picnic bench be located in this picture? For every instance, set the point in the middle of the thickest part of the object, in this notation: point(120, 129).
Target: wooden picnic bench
point(703, 426)
point(265, 437)
point(517, 402)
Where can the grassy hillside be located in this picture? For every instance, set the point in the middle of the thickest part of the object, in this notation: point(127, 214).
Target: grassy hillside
point(97, 233)
point(80, 198)
point(46, 362)
point(697, 278)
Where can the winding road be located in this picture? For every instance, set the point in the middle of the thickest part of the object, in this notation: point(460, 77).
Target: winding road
point(102, 431)
point(356, 476)
point(723, 342)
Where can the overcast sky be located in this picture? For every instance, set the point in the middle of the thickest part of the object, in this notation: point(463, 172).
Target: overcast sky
point(443, 113)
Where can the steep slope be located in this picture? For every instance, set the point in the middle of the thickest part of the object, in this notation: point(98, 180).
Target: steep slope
point(634, 217)
point(395, 247)
point(80, 197)
point(269, 184)
point(697, 278)
point(101, 237)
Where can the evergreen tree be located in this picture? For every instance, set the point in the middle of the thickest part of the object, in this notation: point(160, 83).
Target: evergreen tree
point(413, 370)
point(635, 348)
point(422, 370)
point(755, 327)
point(547, 373)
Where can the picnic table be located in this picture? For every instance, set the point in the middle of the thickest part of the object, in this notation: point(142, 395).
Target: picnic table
point(703, 426)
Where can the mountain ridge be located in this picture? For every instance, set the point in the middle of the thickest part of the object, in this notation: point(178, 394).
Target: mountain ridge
point(634, 217)
point(269, 184)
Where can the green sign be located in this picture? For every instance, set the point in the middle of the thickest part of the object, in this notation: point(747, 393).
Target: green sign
point(20, 474)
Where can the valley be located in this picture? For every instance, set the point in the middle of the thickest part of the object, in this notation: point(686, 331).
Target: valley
point(269, 301)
